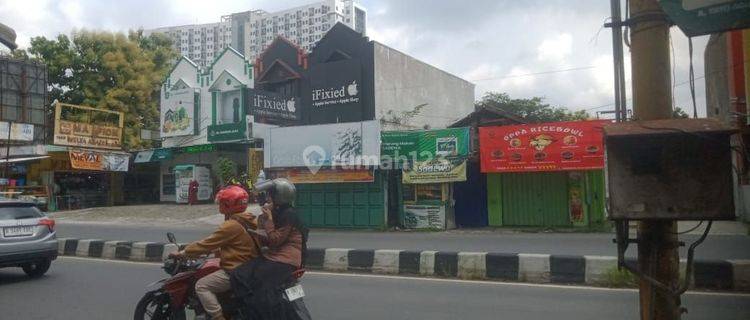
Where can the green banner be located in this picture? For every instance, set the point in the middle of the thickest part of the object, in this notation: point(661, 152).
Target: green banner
point(227, 132)
point(697, 18)
point(435, 171)
point(425, 144)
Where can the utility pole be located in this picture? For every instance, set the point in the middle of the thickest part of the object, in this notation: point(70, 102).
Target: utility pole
point(619, 64)
point(658, 256)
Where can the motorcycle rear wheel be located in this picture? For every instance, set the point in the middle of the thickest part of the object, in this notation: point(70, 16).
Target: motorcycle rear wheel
point(155, 306)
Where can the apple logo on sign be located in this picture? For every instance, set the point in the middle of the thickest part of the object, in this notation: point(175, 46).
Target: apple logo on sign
point(352, 88)
point(290, 105)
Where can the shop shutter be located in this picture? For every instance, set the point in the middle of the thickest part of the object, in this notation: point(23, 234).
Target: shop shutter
point(534, 199)
point(343, 205)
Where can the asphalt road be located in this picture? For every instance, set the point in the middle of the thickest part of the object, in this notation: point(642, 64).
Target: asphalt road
point(100, 289)
point(715, 247)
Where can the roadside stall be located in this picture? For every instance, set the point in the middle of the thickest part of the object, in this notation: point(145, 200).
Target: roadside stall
point(544, 175)
point(86, 165)
point(429, 162)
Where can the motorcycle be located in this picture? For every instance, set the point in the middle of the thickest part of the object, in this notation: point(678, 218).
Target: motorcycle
point(177, 292)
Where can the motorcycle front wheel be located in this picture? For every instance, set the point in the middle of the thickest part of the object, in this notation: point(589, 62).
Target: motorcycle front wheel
point(155, 306)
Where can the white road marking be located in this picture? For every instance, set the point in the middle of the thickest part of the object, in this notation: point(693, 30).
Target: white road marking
point(482, 282)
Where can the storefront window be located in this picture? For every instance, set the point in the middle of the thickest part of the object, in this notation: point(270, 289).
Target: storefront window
point(168, 184)
point(429, 192)
point(410, 193)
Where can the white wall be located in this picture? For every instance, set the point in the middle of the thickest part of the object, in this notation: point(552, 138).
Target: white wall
point(232, 62)
point(187, 71)
point(403, 82)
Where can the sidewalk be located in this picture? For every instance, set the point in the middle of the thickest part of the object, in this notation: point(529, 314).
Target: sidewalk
point(205, 215)
point(728, 240)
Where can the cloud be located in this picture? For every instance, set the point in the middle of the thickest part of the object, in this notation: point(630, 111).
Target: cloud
point(555, 49)
point(490, 42)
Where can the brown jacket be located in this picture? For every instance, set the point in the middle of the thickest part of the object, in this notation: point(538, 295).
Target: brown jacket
point(284, 244)
point(234, 244)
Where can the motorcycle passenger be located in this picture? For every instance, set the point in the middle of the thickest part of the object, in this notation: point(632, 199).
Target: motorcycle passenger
point(234, 244)
point(257, 283)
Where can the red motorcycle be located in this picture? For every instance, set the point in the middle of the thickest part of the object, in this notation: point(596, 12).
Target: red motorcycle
point(177, 293)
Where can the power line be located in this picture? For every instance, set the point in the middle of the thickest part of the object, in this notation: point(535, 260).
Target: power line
point(534, 73)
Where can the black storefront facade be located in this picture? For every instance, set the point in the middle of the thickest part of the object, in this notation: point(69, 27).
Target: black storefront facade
point(348, 78)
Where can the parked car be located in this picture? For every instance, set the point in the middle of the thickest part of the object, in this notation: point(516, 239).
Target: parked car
point(27, 237)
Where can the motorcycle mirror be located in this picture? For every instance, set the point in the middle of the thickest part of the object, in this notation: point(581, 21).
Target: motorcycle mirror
point(171, 237)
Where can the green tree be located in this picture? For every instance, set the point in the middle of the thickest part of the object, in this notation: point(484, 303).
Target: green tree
point(530, 110)
point(110, 71)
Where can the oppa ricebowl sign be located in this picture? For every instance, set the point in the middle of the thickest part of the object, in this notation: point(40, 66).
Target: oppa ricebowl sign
point(572, 145)
point(336, 95)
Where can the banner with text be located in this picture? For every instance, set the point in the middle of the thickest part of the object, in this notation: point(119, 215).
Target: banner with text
point(272, 105)
point(425, 144)
point(557, 146)
point(98, 161)
point(424, 216)
point(438, 170)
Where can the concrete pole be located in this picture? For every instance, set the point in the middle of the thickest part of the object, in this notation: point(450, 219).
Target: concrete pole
point(652, 100)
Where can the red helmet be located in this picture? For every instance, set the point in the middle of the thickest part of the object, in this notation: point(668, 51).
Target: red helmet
point(232, 199)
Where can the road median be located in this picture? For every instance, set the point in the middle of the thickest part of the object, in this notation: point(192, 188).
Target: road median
point(724, 275)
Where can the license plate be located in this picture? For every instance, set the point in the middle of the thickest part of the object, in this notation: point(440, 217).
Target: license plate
point(294, 293)
point(18, 231)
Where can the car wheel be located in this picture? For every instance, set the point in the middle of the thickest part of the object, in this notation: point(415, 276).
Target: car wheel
point(37, 269)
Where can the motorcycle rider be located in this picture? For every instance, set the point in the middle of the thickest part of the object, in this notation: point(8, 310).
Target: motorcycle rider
point(234, 244)
point(256, 282)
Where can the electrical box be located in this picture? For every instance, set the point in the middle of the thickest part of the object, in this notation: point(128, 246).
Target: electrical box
point(677, 169)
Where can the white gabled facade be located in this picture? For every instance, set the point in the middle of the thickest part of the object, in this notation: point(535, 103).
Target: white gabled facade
point(217, 91)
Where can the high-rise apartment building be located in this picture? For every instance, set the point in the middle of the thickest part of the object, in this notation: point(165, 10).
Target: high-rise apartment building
point(250, 32)
point(199, 42)
point(304, 25)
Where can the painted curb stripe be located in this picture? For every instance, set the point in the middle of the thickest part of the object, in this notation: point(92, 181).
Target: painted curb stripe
point(502, 266)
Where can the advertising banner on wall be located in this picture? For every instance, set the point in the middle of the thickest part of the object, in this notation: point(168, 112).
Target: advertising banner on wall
point(557, 146)
point(424, 216)
point(18, 131)
point(425, 144)
point(178, 113)
point(325, 175)
point(81, 126)
point(98, 161)
point(341, 144)
point(335, 84)
point(272, 105)
point(438, 170)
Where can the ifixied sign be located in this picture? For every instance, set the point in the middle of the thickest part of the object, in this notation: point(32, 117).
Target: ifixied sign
point(336, 95)
point(272, 105)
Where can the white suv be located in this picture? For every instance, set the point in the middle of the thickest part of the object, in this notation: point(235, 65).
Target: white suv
point(27, 237)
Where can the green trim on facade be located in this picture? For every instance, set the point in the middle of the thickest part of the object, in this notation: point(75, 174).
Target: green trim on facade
point(494, 200)
point(192, 64)
point(213, 107)
point(243, 107)
point(197, 114)
point(211, 67)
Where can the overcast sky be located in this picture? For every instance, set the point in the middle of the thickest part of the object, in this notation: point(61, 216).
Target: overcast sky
point(492, 43)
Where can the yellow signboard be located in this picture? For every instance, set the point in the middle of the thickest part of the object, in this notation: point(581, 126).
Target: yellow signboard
point(83, 127)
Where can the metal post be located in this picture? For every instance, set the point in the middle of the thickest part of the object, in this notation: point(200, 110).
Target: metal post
point(652, 99)
point(7, 152)
point(617, 57)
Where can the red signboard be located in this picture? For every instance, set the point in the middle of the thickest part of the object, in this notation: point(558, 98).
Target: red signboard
point(556, 146)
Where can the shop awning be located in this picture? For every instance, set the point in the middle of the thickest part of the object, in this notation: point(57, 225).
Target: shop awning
point(153, 155)
point(11, 160)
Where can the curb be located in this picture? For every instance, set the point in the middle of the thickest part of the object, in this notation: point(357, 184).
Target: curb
point(728, 275)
